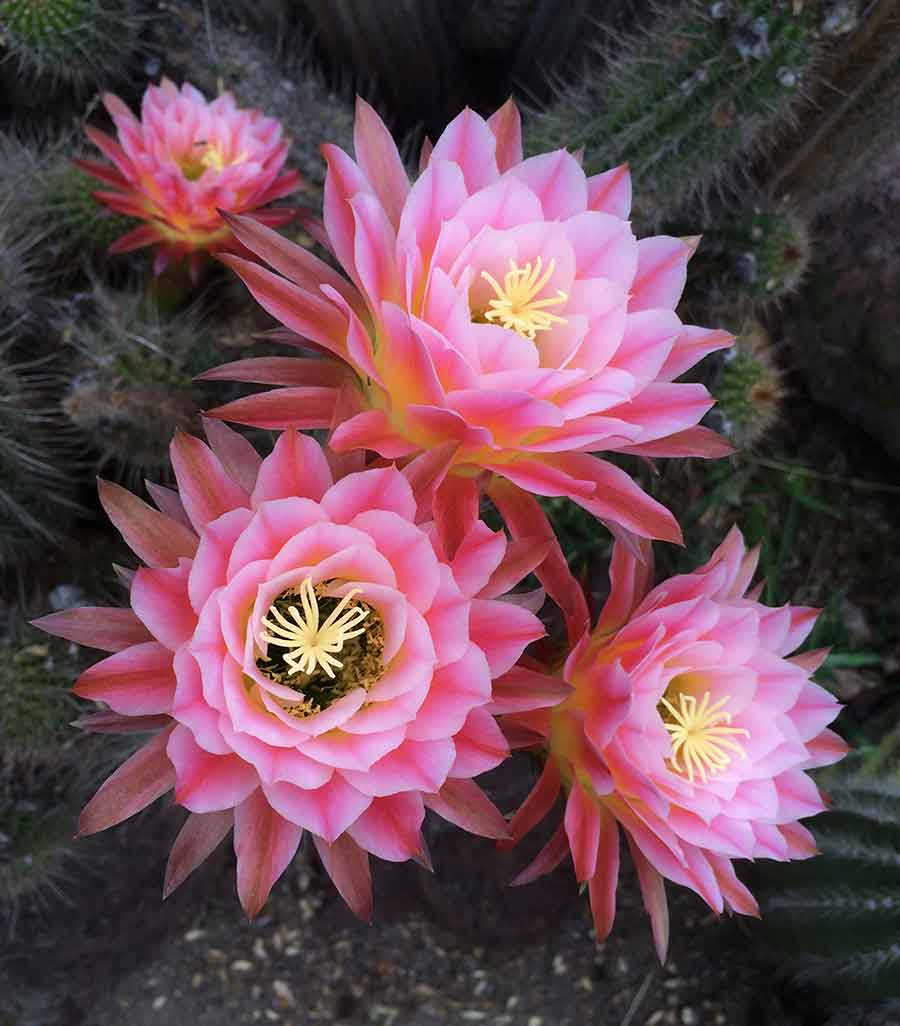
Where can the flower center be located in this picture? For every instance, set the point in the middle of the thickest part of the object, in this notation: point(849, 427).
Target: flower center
point(206, 155)
point(309, 635)
point(701, 735)
point(515, 305)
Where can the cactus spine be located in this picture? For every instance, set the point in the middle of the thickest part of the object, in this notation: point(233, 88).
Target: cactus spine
point(838, 916)
point(79, 42)
point(686, 98)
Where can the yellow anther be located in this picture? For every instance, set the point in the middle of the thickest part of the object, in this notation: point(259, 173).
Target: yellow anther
point(701, 735)
point(310, 644)
point(516, 306)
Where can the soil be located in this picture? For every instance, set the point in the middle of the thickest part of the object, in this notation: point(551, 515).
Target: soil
point(457, 947)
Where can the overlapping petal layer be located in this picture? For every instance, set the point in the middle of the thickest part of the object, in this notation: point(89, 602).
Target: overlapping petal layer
point(352, 758)
point(690, 728)
point(498, 304)
point(182, 162)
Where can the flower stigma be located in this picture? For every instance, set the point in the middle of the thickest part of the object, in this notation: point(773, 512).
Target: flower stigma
point(313, 644)
point(701, 735)
point(515, 305)
point(308, 635)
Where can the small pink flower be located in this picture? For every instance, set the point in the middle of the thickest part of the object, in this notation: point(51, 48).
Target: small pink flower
point(690, 727)
point(501, 307)
point(184, 161)
point(316, 655)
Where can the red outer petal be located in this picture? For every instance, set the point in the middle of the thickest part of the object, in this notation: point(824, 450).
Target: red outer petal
point(348, 866)
point(279, 370)
point(548, 858)
point(140, 780)
point(463, 803)
point(538, 803)
point(303, 408)
point(153, 537)
point(201, 834)
point(108, 628)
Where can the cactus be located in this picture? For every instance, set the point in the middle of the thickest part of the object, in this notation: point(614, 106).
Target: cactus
point(686, 98)
point(21, 264)
point(763, 254)
point(37, 487)
point(838, 917)
point(37, 765)
point(132, 387)
point(76, 224)
point(78, 42)
point(750, 389)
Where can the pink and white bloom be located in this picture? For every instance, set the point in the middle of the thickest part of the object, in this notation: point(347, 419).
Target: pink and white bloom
point(184, 161)
point(690, 728)
point(314, 654)
point(502, 307)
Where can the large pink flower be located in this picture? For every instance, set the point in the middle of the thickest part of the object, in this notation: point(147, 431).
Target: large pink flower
point(689, 726)
point(316, 655)
point(500, 306)
point(184, 161)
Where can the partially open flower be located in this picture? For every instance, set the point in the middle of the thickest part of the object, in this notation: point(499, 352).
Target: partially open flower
point(691, 728)
point(184, 161)
point(498, 304)
point(316, 655)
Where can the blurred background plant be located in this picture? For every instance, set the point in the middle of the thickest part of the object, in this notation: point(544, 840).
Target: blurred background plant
point(771, 127)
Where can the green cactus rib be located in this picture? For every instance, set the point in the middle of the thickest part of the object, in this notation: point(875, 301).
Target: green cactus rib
point(77, 41)
point(76, 222)
point(838, 916)
point(686, 98)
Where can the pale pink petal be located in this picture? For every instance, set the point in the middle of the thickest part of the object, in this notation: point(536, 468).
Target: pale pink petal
point(480, 746)
point(414, 766)
point(502, 631)
point(661, 273)
point(582, 823)
point(390, 827)
point(326, 811)
point(206, 782)
point(470, 143)
point(159, 596)
point(295, 467)
point(380, 161)
point(205, 488)
point(384, 489)
point(610, 192)
point(558, 181)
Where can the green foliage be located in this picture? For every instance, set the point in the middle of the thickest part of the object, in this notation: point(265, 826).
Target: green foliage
point(37, 502)
point(21, 275)
point(36, 708)
point(78, 42)
point(683, 100)
point(837, 917)
point(132, 389)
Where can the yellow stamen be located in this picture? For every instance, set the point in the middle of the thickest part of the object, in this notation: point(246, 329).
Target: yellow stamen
point(698, 736)
point(516, 307)
point(211, 156)
point(310, 644)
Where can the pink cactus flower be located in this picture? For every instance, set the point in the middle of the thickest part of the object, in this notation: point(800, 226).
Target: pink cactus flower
point(499, 306)
point(184, 161)
point(314, 655)
point(690, 727)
